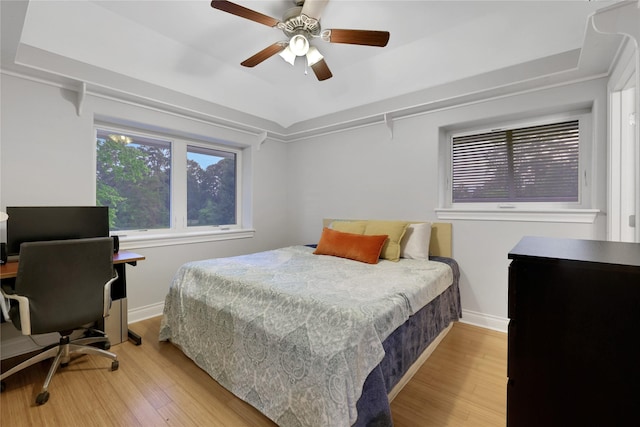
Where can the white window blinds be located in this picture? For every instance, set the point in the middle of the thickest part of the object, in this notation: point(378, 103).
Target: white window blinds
point(531, 164)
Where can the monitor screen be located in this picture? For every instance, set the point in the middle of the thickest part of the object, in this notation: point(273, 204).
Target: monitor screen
point(36, 223)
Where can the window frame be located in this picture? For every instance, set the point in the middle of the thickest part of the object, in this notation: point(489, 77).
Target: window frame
point(580, 211)
point(178, 231)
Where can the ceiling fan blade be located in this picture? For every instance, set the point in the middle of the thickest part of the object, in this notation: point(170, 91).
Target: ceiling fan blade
point(265, 53)
point(321, 70)
point(362, 37)
point(314, 8)
point(243, 12)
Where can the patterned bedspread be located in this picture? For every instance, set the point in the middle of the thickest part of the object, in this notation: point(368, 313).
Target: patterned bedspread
point(292, 333)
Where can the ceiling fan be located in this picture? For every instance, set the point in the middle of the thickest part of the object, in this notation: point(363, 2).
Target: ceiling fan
point(301, 24)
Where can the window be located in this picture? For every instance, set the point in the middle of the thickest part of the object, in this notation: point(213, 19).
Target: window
point(211, 187)
point(155, 184)
point(537, 169)
point(528, 164)
point(133, 178)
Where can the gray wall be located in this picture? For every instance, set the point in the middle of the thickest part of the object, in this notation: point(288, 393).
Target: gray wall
point(363, 173)
point(48, 158)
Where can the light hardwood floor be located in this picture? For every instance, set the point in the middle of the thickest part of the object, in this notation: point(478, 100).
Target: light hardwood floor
point(463, 383)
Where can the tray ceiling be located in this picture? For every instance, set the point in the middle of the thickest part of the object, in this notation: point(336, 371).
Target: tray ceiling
point(189, 48)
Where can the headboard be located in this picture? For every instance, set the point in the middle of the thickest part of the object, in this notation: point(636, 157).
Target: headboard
point(441, 236)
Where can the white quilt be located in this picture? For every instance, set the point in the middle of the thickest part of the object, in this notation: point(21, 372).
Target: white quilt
point(292, 333)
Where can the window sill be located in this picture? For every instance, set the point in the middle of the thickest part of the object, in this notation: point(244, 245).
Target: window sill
point(581, 216)
point(144, 240)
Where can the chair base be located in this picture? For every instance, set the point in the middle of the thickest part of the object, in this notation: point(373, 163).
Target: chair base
point(62, 355)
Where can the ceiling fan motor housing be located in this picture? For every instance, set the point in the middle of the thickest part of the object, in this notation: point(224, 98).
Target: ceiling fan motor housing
point(294, 22)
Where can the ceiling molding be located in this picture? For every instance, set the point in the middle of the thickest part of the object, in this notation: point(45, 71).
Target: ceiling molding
point(592, 61)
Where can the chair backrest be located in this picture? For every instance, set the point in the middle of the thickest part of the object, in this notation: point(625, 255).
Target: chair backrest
point(64, 281)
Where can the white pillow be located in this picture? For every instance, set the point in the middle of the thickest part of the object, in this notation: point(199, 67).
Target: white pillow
point(415, 244)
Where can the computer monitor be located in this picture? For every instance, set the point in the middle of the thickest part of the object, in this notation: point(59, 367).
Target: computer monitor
point(37, 223)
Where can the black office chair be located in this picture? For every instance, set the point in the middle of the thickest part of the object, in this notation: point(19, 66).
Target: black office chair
point(63, 286)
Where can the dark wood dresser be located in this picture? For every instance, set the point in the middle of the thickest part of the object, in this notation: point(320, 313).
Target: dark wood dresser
point(574, 333)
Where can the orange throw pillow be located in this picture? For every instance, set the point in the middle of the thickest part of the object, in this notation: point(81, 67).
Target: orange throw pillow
point(357, 247)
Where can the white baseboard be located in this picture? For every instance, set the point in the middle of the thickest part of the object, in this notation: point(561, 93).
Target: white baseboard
point(146, 312)
point(485, 320)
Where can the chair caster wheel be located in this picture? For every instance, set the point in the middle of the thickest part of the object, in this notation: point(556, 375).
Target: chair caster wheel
point(42, 398)
point(115, 365)
point(106, 345)
point(2, 386)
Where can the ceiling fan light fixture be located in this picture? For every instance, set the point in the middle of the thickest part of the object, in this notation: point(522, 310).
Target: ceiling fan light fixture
point(299, 45)
point(313, 56)
point(122, 139)
point(288, 55)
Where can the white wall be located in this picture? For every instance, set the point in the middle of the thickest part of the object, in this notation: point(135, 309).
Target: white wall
point(362, 173)
point(48, 158)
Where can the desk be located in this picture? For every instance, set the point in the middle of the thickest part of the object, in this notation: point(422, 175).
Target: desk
point(10, 269)
point(118, 288)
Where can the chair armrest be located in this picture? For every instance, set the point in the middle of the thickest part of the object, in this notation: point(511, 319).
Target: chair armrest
point(5, 289)
point(107, 294)
point(4, 309)
point(23, 307)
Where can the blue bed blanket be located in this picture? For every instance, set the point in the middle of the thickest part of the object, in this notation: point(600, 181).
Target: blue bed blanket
point(403, 347)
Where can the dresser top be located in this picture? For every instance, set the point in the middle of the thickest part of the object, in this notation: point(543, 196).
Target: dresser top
point(597, 251)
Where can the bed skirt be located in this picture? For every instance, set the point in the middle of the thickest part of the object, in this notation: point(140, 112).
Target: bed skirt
point(403, 348)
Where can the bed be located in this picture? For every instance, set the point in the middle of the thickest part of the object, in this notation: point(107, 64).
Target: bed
point(315, 340)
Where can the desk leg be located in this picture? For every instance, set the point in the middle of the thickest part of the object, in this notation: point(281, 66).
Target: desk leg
point(137, 339)
point(119, 291)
